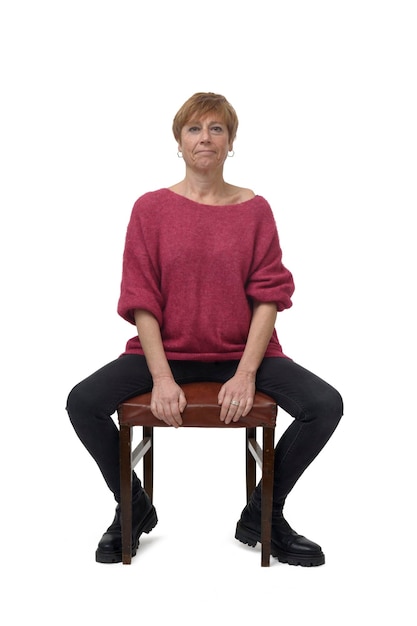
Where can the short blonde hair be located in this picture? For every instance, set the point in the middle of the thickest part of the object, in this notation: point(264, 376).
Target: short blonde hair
point(202, 103)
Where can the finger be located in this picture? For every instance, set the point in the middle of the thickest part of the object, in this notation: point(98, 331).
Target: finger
point(225, 407)
point(239, 412)
point(182, 403)
point(158, 410)
point(232, 412)
point(243, 409)
point(155, 411)
point(248, 407)
point(175, 414)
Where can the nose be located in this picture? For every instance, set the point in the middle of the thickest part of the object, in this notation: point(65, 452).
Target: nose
point(205, 135)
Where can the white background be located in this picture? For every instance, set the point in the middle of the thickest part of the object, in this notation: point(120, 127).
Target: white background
point(326, 96)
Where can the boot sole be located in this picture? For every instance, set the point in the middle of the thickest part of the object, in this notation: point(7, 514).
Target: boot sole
point(147, 525)
point(250, 538)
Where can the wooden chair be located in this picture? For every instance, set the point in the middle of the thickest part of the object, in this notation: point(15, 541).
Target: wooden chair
point(202, 411)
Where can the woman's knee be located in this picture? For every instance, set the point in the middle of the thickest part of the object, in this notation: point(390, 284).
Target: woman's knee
point(324, 405)
point(336, 404)
point(329, 406)
point(78, 402)
point(72, 401)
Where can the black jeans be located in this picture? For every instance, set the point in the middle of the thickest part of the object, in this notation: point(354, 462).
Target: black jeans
point(316, 406)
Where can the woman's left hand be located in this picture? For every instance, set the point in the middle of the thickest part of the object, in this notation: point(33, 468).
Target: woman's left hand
point(236, 397)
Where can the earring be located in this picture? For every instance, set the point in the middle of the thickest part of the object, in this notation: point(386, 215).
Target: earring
point(179, 154)
point(231, 154)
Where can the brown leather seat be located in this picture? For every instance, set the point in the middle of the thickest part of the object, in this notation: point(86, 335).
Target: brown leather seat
point(202, 411)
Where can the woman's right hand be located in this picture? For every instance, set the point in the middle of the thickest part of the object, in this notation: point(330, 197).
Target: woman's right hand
point(168, 401)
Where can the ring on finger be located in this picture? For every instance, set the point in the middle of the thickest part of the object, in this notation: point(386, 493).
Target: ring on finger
point(234, 403)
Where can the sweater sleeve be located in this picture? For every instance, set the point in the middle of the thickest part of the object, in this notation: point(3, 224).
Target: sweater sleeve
point(269, 280)
point(140, 275)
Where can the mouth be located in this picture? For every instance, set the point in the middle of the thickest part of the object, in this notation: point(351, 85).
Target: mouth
point(205, 152)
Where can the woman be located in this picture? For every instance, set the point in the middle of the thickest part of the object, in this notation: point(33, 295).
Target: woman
point(203, 281)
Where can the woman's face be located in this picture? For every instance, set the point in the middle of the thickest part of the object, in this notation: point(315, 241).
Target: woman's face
point(204, 141)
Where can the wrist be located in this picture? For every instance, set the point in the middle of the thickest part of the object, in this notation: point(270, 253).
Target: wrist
point(249, 374)
point(165, 376)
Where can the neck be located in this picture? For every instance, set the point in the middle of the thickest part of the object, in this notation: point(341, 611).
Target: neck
point(202, 188)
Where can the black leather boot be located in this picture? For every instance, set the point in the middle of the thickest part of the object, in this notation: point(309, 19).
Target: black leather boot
point(144, 519)
point(286, 545)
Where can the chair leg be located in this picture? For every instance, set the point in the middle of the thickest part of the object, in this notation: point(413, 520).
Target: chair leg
point(250, 464)
point(126, 492)
point(267, 494)
point(148, 463)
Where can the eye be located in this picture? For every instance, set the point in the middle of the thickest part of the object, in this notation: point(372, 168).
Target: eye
point(217, 129)
point(193, 129)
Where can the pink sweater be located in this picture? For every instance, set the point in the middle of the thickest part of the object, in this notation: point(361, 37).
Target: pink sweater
point(197, 269)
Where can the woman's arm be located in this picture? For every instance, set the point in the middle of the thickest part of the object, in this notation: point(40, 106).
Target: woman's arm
point(241, 387)
point(168, 400)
